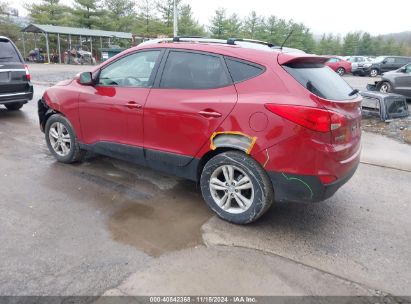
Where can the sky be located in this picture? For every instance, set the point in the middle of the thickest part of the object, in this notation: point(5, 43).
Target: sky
point(321, 16)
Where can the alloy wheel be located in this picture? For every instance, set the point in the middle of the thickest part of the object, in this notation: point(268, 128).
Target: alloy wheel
point(60, 139)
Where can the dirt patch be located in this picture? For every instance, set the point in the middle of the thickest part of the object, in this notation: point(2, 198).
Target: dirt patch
point(398, 129)
point(167, 222)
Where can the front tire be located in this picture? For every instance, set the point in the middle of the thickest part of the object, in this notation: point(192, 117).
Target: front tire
point(236, 187)
point(14, 106)
point(61, 139)
point(385, 87)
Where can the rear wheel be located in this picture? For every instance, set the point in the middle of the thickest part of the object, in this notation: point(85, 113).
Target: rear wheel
point(236, 187)
point(340, 71)
point(14, 106)
point(385, 87)
point(61, 139)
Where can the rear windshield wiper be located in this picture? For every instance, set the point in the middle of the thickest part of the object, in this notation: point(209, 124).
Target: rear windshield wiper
point(353, 92)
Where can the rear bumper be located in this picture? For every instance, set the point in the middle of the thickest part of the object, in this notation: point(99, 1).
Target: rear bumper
point(17, 96)
point(305, 188)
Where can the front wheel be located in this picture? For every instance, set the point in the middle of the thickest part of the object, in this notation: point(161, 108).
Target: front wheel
point(61, 139)
point(236, 187)
point(385, 87)
point(14, 106)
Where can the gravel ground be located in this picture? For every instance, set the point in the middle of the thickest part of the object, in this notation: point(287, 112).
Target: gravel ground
point(398, 129)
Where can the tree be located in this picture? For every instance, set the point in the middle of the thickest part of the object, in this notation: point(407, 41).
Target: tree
point(118, 15)
point(147, 23)
point(49, 12)
point(365, 45)
point(234, 26)
point(166, 10)
point(87, 13)
point(219, 24)
point(7, 27)
point(253, 26)
point(187, 26)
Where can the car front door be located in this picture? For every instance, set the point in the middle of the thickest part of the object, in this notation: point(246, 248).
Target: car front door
point(111, 112)
point(403, 81)
point(189, 101)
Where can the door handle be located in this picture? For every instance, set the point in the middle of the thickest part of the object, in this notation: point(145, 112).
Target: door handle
point(209, 114)
point(133, 105)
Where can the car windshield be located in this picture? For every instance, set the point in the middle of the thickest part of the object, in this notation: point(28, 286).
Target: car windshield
point(321, 81)
point(8, 52)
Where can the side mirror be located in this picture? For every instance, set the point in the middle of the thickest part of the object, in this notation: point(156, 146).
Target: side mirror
point(86, 78)
point(384, 61)
point(403, 70)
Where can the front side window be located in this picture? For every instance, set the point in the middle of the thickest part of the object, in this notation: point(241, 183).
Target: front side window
point(134, 70)
point(333, 60)
point(185, 70)
point(408, 69)
point(389, 60)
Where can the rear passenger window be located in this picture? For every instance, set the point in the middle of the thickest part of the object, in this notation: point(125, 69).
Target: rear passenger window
point(7, 52)
point(241, 70)
point(184, 70)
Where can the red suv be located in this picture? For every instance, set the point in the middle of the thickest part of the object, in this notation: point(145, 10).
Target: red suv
point(249, 123)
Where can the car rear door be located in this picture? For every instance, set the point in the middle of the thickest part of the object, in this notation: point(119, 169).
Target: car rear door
point(192, 96)
point(388, 64)
point(111, 112)
point(13, 78)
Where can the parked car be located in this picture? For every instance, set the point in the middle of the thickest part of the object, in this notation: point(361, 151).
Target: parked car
point(15, 86)
point(381, 65)
point(357, 62)
point(249, 125)
point(398, 81)
point(339, 65)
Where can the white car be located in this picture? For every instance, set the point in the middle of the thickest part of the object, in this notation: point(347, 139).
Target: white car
point(358, 61)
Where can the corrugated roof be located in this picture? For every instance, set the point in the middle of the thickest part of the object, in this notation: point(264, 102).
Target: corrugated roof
point(53, 29)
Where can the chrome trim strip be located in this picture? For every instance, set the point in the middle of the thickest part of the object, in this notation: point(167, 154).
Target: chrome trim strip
point(11, 70)
point(13, 94)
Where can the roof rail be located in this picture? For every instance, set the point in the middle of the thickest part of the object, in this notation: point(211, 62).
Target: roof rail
point(232, 41)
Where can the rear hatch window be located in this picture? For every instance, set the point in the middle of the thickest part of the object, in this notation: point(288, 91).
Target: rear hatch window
point(7, 52)
point(320, 80)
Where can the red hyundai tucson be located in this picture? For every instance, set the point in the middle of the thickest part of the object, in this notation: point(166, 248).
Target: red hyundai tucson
point(249, 123)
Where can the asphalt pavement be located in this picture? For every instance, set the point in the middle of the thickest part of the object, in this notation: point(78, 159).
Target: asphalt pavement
point(107, 227)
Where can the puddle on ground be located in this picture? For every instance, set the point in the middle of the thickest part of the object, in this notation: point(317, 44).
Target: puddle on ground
point(169, 221)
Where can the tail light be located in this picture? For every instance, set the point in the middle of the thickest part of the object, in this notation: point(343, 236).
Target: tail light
point(26, 68)
point(316, 119)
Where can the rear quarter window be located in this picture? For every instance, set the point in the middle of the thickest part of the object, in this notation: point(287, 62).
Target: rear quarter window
point(243, 70)
point(321, 81)
point(7, 52)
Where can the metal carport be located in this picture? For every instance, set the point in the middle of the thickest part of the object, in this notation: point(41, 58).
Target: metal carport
point(73, 31)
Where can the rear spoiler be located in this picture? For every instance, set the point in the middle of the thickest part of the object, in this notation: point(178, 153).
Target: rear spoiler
point(289, 58)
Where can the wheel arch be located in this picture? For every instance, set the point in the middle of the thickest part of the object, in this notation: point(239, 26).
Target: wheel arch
point(45, 112)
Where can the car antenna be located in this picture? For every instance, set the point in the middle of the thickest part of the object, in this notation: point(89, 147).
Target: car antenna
point(288, 36)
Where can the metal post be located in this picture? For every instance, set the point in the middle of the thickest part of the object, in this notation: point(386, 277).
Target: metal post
point(70, 42)
point(24, 47)
point(175, 25)
point(109, 41)
point(91, 46)
point(80, 41)
point(101, 42)
point(35, 40)
point(58, 45)
point(47, 47)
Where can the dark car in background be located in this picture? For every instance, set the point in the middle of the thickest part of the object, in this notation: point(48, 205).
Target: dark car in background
point(381, 65)
point(398, 81)
point(15, 86)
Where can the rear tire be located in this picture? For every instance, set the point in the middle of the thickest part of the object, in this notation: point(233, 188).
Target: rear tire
point(61, 140)
point(14, 106)
point(374, 73)
point(341, 71)
point(236, 187)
